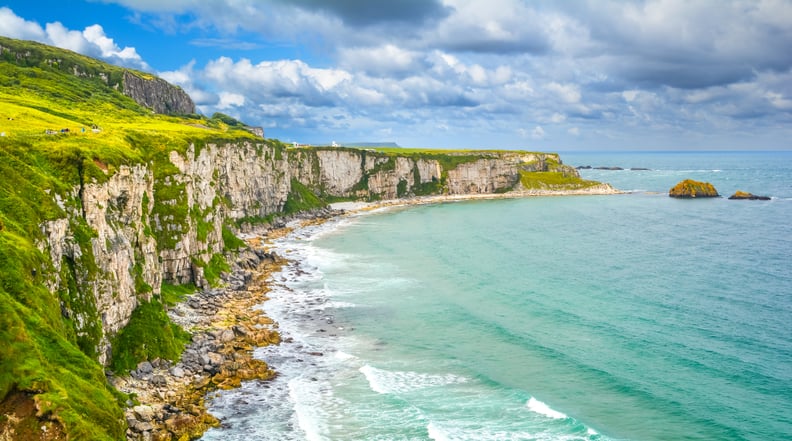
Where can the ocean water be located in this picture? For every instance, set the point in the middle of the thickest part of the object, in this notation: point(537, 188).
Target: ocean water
point(627, 317)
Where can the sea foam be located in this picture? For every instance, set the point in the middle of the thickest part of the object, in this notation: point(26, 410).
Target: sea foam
point(543, 409)
point(396, 382)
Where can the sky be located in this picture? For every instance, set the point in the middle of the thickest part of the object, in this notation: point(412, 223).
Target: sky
point(544, 75)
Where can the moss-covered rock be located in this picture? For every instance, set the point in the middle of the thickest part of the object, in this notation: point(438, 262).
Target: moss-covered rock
point(742, 195)
point(693, 189)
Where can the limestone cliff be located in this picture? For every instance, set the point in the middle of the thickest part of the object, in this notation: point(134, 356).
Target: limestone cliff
point(164, 221)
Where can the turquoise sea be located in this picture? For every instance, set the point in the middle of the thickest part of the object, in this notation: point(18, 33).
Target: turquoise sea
point(627, 317)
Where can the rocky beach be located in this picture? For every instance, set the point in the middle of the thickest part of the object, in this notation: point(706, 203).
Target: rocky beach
point(169, 398)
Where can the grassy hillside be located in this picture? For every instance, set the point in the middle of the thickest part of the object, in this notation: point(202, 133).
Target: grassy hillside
point(46, 359)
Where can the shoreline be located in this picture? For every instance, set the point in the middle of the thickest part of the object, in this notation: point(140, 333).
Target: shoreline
point(228, 324)
point(354, 207)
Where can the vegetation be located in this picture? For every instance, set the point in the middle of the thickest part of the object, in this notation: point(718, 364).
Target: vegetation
point(301, 199)
point(214, 268)
point(173, 294)
point(150, 334)
point(553, 180)
point(693, 189)
point(230, 241)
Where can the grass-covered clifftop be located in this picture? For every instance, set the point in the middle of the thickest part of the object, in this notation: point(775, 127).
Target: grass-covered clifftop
point(90, 178)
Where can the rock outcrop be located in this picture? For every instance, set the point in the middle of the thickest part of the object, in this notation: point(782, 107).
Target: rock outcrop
point(157, 94)
point(693, 189)
point(741, 195)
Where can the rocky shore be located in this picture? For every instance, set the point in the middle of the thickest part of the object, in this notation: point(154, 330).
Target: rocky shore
point(169, 398)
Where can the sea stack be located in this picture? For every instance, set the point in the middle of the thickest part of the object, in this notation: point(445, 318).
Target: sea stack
point(693, 189)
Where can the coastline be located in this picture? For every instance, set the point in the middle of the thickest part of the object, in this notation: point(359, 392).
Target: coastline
point(597, 190)
point(228, 325)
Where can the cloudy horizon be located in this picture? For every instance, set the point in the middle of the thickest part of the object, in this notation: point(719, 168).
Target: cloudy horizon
point(537, 75)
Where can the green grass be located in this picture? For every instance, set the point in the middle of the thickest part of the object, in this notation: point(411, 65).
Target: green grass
point(214, 268)
point(301, 199)
point(173, 294)
point(552, 180)
point(150, 334)
point(230, 241)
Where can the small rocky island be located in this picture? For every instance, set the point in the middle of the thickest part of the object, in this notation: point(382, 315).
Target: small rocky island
point(693, 189)
point(742, 195)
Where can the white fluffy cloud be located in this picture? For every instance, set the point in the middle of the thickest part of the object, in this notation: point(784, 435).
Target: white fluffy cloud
point(91, 41)
point(17, 27)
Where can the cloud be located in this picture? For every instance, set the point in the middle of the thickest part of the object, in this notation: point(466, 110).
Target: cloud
point(225, 43)
point(384, 60)
point(92, 41)
point(367, 12)
point(538, 132)
point(569, 93)
point(17, 27)
point(495, 26)
point(688, 45)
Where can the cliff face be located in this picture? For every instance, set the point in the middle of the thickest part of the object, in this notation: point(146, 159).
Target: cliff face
point(157, 94)
point(164, 221)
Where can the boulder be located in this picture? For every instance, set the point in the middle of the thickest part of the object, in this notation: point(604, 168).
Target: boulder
point(145, 367)
point(693, 189)
point(144, 413)
point(748, 196)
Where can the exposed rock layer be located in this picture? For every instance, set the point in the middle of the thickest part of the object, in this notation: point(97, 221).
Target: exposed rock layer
point(157, 94)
